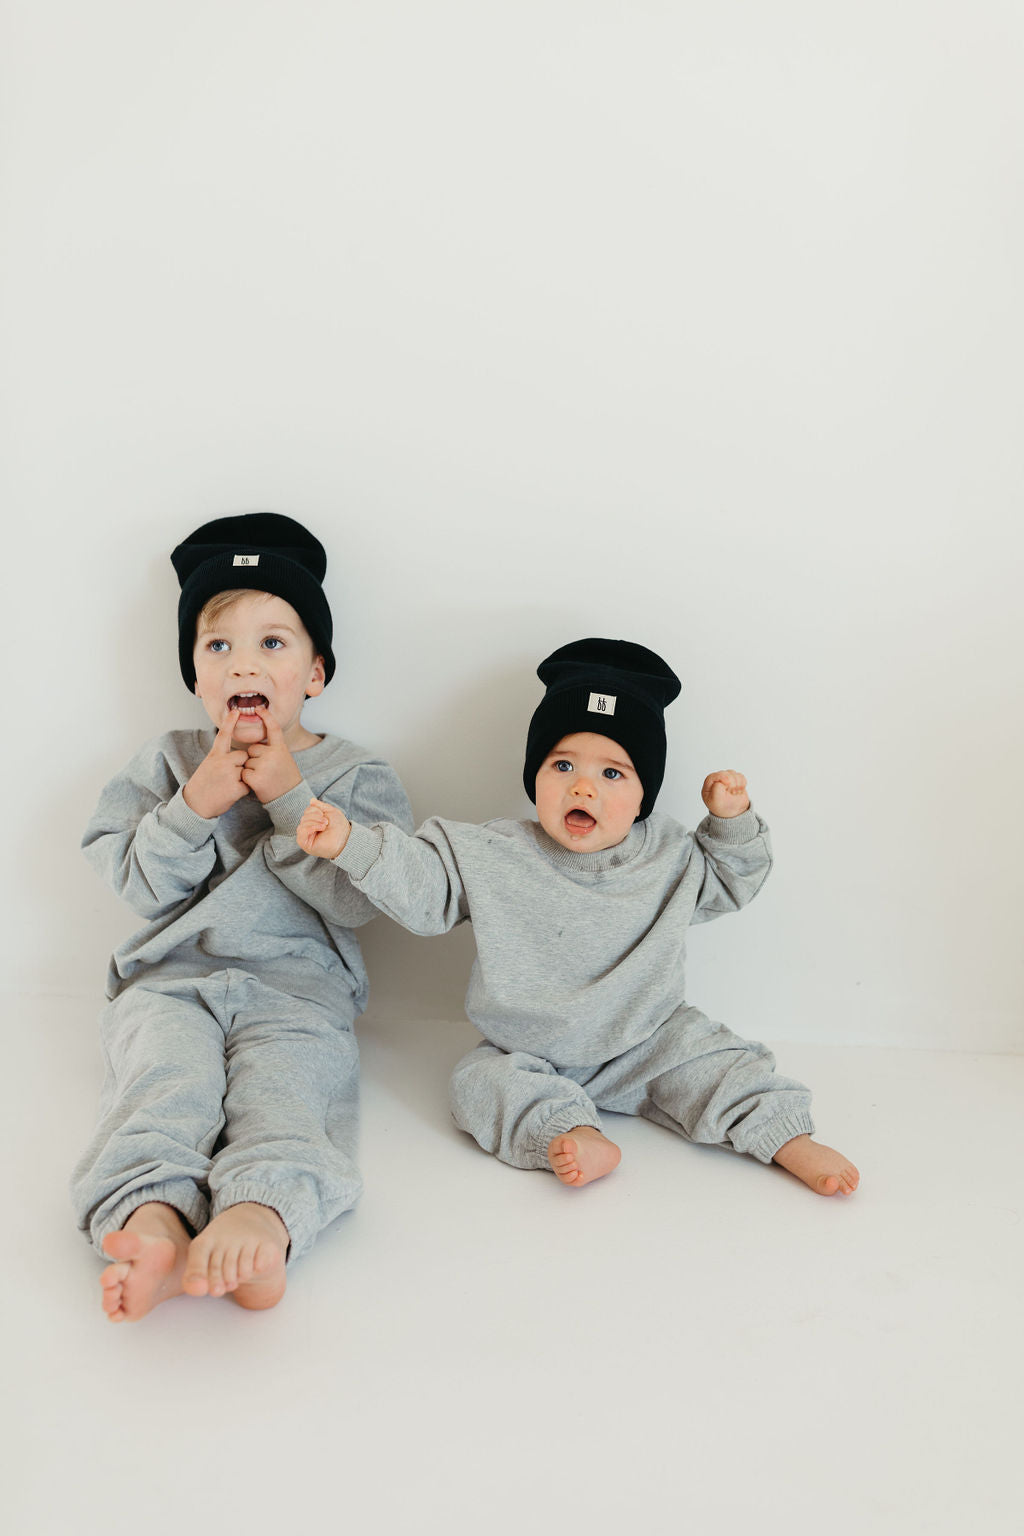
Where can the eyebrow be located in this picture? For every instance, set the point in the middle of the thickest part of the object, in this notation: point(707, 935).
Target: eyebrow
point(268, 629)
point(609, 762)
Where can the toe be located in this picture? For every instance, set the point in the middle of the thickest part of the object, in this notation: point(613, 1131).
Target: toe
point(215, 1274)
point(195, 1281)
point(264, 1258)
point(247, 1262)
point(122, 1245)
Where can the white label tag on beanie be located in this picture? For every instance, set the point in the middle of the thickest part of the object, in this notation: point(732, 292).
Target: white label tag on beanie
point(246, 560)
point(602, 703)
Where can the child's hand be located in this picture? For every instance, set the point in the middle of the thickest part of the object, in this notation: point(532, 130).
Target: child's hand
point(217, 782)
point(725, 793)
point(270, 770)
point(323, 830)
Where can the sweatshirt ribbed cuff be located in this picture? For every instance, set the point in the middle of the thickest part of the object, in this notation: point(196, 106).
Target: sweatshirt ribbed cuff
point(732, 829)
point(177, 816)
point(361, 851)
point(286, 811)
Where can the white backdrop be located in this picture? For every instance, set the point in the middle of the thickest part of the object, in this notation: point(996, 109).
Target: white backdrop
point(696, 325)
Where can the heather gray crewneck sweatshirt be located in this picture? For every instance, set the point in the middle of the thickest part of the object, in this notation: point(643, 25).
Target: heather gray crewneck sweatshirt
point(580, 956)
point(236, 890)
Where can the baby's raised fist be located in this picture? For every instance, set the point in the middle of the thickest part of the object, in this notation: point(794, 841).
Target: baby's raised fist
point(725, 793)
point(323, 830)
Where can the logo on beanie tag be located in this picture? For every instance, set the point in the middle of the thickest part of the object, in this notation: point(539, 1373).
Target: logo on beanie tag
point(602, 703)
point(246, 560)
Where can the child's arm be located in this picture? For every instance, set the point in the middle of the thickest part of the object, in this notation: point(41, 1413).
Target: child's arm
point(371, 791)
point(734, 848)
point(414, 879)
point(146, 838)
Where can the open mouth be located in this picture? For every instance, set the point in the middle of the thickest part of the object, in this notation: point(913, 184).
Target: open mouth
point(247, 702)
point(580, 822)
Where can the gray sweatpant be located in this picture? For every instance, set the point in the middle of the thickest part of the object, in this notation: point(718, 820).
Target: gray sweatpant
point(692, 1075)
point(220, 1090)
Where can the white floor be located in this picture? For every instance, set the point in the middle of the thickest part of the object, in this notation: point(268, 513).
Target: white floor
point(696, 1343)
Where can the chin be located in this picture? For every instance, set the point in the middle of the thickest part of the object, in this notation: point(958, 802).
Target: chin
point(578, 844)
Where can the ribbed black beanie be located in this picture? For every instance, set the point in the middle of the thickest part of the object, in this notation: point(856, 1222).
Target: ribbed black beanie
point(611, 687)
point(262, 551)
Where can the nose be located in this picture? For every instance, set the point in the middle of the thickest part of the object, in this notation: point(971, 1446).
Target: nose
point(244, 664)
point(583, 787)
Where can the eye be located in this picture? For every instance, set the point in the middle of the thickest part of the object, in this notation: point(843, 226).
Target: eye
point(215, 646)
point(612, 773)
point(562, 765)
point(273, 643)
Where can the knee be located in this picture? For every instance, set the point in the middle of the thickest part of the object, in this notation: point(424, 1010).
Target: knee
point(472, 1072)
point(480, 1081)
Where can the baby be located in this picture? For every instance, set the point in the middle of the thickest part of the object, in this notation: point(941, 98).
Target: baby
point(228, 1122)
point(580, 922)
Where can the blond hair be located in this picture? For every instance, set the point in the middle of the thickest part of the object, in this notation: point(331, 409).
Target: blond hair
point(219, 603)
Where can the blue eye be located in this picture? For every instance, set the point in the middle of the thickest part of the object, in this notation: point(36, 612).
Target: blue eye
point(215, 646)
point(562, 766)
point(612, 773)
point(273, 642)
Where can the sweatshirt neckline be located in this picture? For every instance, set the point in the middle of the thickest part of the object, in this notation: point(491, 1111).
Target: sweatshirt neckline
point(605, 858)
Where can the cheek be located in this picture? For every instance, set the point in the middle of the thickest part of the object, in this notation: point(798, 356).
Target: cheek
point(291, 677)
point(627, 804)
point(547, 796)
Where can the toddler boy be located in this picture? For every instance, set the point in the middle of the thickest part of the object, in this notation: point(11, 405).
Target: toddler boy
point(580, 922)
point(228, 1120)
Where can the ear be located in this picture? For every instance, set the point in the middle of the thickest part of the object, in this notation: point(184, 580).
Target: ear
point(317, 679)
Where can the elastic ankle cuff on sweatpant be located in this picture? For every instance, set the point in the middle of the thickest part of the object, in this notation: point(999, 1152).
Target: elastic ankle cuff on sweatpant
point(777, 1132)
point(181, 1194)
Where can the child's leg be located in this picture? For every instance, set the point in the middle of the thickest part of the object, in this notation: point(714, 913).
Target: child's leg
point(520, 1109)
point(160, 1109)
point(139, 1188)
point(287, 1165)
point(696, 1077)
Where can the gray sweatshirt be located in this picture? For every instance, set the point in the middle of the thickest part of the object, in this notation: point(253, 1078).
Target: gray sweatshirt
point(236, 890)
point(580, 956)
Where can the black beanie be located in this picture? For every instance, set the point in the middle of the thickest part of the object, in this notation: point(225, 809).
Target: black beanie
point(260, 550)
point(611, 687)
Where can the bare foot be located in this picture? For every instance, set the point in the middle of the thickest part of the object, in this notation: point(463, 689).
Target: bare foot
point(242, 1254)
point(149, 1260)
point(582, 1155)
point(822, 1169)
